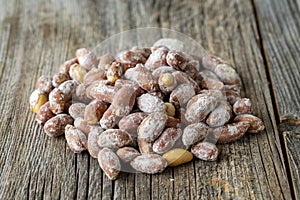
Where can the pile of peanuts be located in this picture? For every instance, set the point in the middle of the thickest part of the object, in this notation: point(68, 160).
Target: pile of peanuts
point(146, 108)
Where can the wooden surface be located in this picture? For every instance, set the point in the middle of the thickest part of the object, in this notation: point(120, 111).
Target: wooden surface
point(36, 36)
point(292, 144)
point(279, 27)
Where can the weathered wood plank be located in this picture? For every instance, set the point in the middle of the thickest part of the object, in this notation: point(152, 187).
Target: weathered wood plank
point(37, 36)
point(279, 28)
point(292, 145)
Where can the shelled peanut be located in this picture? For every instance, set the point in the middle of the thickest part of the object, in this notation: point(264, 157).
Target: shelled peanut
point(145, 107)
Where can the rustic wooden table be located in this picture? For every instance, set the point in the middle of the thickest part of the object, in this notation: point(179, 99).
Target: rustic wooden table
point(260, 37)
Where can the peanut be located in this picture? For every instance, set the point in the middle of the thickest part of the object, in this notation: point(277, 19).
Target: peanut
point(177, 157)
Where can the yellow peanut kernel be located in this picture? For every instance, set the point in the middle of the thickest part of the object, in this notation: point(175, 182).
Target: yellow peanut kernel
point(167, 79)
point(77, 72)
point(112, 78)
point(178, 156)
point(42, 99)
point(170, 109)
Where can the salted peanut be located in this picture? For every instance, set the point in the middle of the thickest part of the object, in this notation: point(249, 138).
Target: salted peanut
point(105, 61)
point(44, 84)
point(86, 128)
point(131, 122)
point(172, 122)
point(192, 68)
point(210, 62)
point(68, 88)
point(157, 58)
point(182, 94)
point(92, 142)
point(94, 75)
point(77, 140)
point(77, 73)
point(149, 163)
point(177, 59)
point(44, 114)
point(59, 78)
point(122, 82)
point(219, 95)
point(130, 57)
point(177, 157)
point(181, 116)
point(65, 67)
point(149, 103)
point(115, 138)
point(199, 107)
point(227, 74)
point(37, 99)
point(145, 146)
point(152, 126)
point(77, 110)
point(208, 80)
point(256, 124)
point(80, 93)
point(220, 115)
point(86, 58)
point(242, 106)
point(114, 72)
point(56, 125)
point(127, 154)
point(170, 109)
point(230, 132)
point(167, 82)
point(194, 133)
point(143, 77)
point(57, 101)
point(109, 163)
point(232, 93)
point(144, 51)
point(166, 140)
point(183, 78)
point(121, 106)
point(205, 151)
point(160, 70)
point(101, 92)
point(94, 111)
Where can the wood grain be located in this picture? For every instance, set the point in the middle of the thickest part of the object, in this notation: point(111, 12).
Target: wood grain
point(280, 27)
point(292, 144)
point(37, 36)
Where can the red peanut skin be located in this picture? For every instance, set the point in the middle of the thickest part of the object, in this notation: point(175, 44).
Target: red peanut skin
point(205, 151)
point(149, 103)
point(120, 107)
point(115, 138)
point(210, 62)
point(56, 125)
point(152, 126)
point(143, 77)
point(194, 133)
point(199, 107)
point(256, 124)
point(109, 163)
point(76, 139)
point(242, 106)
point(166, 140)
point(230, 132)
point(149, 163)
point(44, 114)
point(101, 92)
point(131, 122)
point(127, 154)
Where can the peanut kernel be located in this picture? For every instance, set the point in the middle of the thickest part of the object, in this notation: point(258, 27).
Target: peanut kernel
point(170, 109)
